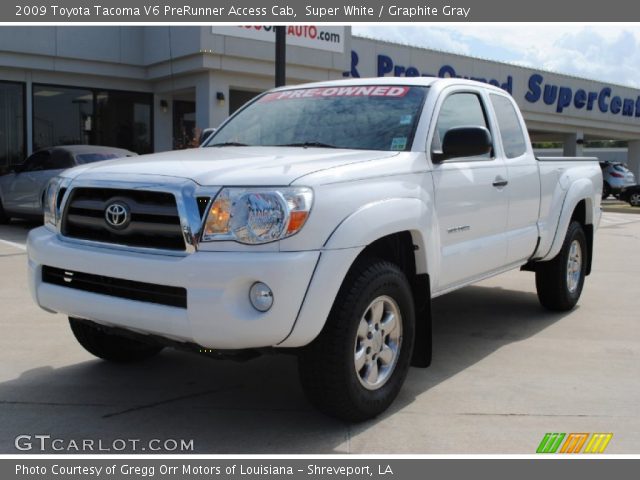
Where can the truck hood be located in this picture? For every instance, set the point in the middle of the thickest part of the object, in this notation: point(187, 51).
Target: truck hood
point(246, 166)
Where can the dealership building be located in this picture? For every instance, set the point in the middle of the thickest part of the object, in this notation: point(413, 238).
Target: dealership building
point(150, 88)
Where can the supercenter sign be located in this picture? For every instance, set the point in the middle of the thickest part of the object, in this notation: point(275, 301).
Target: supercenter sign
point(320, 37)
point(534, 91)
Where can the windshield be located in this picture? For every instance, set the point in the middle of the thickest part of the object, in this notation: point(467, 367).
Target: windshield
point(370, 117)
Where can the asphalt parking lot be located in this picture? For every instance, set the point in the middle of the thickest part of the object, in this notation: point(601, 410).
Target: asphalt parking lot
point(504, 373)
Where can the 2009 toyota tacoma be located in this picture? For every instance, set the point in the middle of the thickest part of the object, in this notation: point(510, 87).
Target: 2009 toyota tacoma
point(321, 218)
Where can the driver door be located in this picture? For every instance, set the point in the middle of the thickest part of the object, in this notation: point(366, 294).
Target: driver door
point(470, 195)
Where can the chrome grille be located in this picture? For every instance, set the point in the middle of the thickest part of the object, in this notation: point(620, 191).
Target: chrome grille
point(152, 218)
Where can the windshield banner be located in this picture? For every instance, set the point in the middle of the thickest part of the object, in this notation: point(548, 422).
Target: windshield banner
point(355, 91)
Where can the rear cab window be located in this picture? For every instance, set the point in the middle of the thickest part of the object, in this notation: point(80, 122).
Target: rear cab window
point(513, 140)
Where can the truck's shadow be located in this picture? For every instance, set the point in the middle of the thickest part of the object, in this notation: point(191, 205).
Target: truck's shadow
point(253, 407)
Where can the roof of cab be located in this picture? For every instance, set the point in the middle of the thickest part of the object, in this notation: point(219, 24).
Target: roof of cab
point(411, 81)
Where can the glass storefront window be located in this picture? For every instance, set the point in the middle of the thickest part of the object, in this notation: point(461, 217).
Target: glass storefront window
point(123, 119)
point(12, 123)
point(184, 124)
point(61, 116)
point(67, 116)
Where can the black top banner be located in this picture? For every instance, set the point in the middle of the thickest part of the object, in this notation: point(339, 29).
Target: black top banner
point(315, 11)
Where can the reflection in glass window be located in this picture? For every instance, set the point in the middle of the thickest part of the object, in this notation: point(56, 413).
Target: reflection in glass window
point(12, 142)
point(123, 120)
point(77, 116)
point(61, 116)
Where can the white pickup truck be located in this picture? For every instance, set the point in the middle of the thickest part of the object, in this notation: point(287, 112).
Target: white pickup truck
point(319, 219)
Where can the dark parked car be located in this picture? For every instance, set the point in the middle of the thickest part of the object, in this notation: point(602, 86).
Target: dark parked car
point(22, 188)
point(631, 195)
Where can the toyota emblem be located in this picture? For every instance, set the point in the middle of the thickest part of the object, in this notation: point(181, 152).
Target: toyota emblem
point(117, 215)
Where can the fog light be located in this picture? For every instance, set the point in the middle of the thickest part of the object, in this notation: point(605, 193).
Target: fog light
point(261, 296)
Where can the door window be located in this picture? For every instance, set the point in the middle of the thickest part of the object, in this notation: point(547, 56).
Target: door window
point(59, 160)
point(36, 162)
point(462, 109)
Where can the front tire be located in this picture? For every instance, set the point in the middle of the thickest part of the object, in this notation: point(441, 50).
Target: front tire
point(355, 368)
point(634, 199)
point(111, 347)
point(559, 281)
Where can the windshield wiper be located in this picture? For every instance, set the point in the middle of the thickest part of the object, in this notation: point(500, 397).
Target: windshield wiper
point(229, 144)
point(307, 145)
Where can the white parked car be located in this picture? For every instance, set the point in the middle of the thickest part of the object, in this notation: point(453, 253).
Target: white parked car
point(616, 178)
point(319, 219)
point(22, 188)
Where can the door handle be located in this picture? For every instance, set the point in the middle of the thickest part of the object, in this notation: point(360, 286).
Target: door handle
point(500, 182)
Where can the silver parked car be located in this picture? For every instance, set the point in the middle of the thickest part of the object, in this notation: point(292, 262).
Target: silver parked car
point(616, 178)
point(22, 189)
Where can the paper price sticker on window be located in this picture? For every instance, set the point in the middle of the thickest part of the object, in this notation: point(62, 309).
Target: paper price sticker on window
point(323, 92)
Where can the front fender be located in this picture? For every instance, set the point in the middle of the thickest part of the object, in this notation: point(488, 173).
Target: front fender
point(385, 217)
point(363, 227)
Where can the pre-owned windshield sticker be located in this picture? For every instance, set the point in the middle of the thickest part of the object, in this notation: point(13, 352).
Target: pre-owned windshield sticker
point(361, 91)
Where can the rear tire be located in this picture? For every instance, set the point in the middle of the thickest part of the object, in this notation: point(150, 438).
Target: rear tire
point(110, 347)
point(606, 191)
point(634, 199)
point(355, 368)
point(559, 281)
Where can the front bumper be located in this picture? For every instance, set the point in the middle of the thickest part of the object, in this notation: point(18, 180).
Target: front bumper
point(218, 314)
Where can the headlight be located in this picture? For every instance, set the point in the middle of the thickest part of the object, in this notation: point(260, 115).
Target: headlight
point(255, 215)
point(50, 206)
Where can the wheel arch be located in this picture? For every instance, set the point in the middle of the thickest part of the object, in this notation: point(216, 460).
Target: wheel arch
point(394, 229)
point(376, 221)
point(399, 248)
point(579, 205)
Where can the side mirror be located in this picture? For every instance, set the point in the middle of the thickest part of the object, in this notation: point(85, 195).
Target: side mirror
point(462, 142)
point(206, 133)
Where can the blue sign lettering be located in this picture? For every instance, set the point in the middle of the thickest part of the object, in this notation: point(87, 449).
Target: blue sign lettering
point(580, 99)
point(550, 94)
point(386, 66)
point(616, 104)
point(602, 99)
point(562, 97)
point(533, 95)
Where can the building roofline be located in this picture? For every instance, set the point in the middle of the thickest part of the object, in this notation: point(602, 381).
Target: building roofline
point(499, 62)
